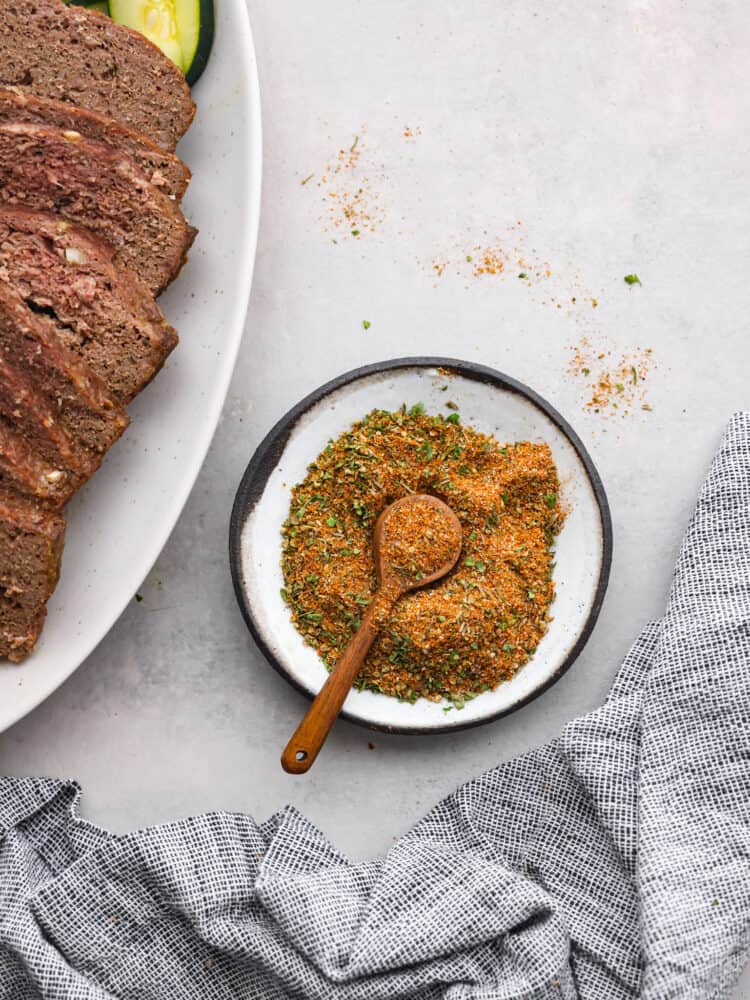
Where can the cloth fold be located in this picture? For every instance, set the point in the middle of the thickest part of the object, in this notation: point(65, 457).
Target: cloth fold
point(611, 864)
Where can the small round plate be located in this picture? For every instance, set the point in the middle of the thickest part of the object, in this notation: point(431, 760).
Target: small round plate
point(489, 402)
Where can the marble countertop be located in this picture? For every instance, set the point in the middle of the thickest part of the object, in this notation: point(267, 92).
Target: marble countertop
point(587, 141)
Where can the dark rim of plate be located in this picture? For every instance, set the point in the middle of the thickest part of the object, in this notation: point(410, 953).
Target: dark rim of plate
point(267, 457)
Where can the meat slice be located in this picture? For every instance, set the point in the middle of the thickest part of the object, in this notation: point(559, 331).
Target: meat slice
point(48, 393)
point(164, 170)
point(83, 58)
point(34, 416)
point(88, 183)
point(23, 470)
point(101, 313)
point(31, 545)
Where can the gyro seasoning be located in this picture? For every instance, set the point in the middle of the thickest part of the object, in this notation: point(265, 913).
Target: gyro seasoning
point(474, 628)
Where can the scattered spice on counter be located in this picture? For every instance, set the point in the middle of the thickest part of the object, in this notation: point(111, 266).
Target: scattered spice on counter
point(632, 279)
point(509, 255)
point(411, 133)
point(366, 324)
point(490, 261)
point(474, 628)
point(350, 202)
point(615, 385)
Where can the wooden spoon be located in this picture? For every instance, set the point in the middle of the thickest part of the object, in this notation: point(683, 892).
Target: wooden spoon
point(416, 541)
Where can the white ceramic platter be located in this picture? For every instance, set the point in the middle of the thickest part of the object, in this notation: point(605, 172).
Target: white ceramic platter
point(487, 401)
point(122, 519)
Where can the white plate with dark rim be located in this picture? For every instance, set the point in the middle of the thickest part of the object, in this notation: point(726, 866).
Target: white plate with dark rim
point(120, 522)
point(488, 401)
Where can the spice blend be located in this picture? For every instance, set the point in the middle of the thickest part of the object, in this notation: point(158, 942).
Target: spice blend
point(474, 628)
point(417, 539)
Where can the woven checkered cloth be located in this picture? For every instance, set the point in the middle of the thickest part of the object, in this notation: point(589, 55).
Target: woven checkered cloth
point(613, 863)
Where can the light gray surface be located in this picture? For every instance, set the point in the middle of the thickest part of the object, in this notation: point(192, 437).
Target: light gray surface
point(617, 134)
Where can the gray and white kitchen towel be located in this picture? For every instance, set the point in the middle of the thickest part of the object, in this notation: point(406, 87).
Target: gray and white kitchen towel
point(612, 863)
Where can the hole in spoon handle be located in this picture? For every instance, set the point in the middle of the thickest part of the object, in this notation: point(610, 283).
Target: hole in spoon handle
point(296, 760)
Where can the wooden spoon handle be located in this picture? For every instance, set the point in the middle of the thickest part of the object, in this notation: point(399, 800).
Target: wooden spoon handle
point(311, 733)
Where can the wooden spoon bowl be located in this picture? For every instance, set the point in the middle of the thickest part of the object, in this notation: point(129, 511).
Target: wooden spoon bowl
point(417, 541)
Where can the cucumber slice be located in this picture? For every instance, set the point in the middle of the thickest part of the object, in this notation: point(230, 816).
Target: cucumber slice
point(203, 39)
point(182, 29)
